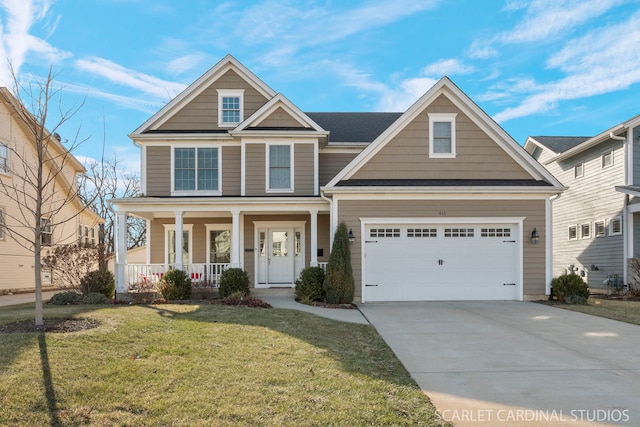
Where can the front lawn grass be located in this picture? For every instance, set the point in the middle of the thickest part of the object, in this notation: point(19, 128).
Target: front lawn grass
point(624, 311)
point(203, 365)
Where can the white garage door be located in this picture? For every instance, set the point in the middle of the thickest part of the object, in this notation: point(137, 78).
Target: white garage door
point(422, 262)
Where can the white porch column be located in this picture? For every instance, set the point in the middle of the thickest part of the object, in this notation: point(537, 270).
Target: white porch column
point(314, 238)
point(121, 251)
point(179, 240)
point(235, 239)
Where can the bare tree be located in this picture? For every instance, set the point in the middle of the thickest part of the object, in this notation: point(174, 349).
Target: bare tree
point(107, 180)
point(40, 184)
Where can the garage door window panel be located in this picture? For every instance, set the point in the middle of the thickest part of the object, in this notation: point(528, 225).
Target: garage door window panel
point(458, 232)
point(495, 232)
point(422, 232)
point(384, 232)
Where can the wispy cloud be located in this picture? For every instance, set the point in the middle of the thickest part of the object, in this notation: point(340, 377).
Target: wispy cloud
point(594, 64)
point(16, 42)
point(544, 19)
point(447, 67)
point(147, 84)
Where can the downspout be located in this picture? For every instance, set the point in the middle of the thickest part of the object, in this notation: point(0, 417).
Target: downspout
point(331, 218)
point(625, 212)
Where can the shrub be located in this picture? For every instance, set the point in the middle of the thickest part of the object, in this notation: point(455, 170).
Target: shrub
point(100, 281)
point(233, 280)
point(175, 285)
point(95, 298)
point(338, 281)
point(569, 286)
point(239, 298)
point(575, 299)
point(66, 298)
point(310, 285)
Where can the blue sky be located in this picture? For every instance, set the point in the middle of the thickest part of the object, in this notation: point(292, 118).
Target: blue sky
point(538, 67)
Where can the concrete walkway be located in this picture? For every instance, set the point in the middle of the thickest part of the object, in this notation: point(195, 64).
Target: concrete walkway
point(285, 298)
point(516, 363)
point(16, 299)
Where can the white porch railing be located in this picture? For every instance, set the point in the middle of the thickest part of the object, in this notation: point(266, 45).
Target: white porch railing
point(144, 276)
point(323, 265)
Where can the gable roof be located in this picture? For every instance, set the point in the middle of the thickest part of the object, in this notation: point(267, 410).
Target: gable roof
point(201, 84)
point(447, 88)
point(279, 101)
point(559, 144)
point(354, 127)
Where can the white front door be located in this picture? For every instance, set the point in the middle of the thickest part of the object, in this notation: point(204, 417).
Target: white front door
point(280, 253)
point(280, 256)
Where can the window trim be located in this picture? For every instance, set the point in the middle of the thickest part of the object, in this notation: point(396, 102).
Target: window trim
point(195, 147)
point(172, 227)
point(267, 183)
point(595, 228)
point(437, 118)
point(7, 168)
point(575, 227)
point(3, 223)
point(582, 235)
point(602, 157)
point(230, 93)
point(575, 169)
point(218, 227)
point(611, 232)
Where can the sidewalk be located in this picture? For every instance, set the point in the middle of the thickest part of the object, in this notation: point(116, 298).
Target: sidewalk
point(16, 299)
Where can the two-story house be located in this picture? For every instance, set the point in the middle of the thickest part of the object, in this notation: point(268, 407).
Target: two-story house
point(441, 203)
point(65, 219)
point(594, 225)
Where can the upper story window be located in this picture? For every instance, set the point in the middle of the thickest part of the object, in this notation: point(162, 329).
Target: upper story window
point(615, 226)
point(196, 169)
point(4, 158)
point(598, 228)
point(45, 232)
point(607, 159)
point(86, 235)
point(280, 168)
point(585, 231)
point(573, 232)
point(442, 135)
point(230, 107)
point(578, 170)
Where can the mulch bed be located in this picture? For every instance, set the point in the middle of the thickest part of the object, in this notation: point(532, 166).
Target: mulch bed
point(50, 325)
point(327, 305)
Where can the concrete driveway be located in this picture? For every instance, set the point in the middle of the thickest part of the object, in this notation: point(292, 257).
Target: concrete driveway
point(516, 363)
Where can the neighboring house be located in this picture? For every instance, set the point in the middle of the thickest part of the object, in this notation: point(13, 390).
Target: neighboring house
point(440, 201)
point(16, 144)
point(595, 221)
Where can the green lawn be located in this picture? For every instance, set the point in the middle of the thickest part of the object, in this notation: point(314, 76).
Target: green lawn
point(190, 365)
point(625, 311)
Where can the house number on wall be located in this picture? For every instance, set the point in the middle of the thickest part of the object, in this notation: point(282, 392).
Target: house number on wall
point(442, 213)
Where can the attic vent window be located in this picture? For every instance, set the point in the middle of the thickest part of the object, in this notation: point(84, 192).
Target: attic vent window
point(230, 107)
point(442, 135)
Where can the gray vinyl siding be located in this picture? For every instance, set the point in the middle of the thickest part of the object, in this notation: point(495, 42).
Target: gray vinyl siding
point(280, 119)
point(303, 174)
point(636, 156)
point(533, 210)
point(158, 171)
point(588, 199)
point(231, 171)
point(332, 163)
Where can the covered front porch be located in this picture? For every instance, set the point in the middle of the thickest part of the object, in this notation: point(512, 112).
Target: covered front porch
point(272, 239)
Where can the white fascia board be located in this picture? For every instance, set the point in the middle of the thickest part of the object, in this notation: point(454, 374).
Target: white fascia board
point(158, 139)
point(589, 143)
point(629, 191)
point(279, 101)
point(444, 220)
point(279, 134)
point(439, 191)
point(201, 84)
point(532, 141)
point(211, 204)
point(440, 196)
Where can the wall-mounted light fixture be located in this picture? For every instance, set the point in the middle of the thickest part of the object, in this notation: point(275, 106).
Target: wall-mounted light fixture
point(352, 238)
point(535, 237)
point(594, 267)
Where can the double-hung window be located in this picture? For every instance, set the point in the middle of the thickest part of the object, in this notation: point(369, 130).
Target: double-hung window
point(4, 159)
point(230, 107)
point(442, 135)
point(45, 232)
point(196, 170)
point(280, 167)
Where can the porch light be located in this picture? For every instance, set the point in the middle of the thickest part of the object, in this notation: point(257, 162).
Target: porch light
point(352, 238)
point(535, 237)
